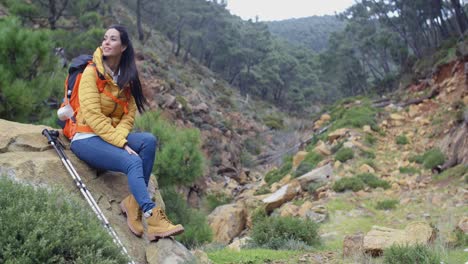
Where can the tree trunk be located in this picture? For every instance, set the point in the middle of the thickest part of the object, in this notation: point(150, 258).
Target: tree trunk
point(187, 51)
point(460, 15)
point(52, 14)
point(141, 35)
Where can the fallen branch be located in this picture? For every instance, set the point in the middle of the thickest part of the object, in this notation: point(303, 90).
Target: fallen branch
point(434, 92)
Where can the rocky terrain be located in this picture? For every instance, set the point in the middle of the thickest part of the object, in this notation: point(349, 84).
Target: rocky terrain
point(429, 205)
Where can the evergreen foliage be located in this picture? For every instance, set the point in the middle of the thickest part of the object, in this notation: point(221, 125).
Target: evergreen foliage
point(41, 226)
point(278, 232)
point(344, 154)
point(387, 204)
point(311, 32)
point(179, 160)
point(401, 254)
point(214, 200)
point(27, 77)
point(277, 174)
point(354, 116)
point(309, 163)
point(401, 140)
point(349, 183)
point(373, 181)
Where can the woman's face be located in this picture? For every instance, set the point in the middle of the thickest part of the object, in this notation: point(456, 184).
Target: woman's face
point(111, 43)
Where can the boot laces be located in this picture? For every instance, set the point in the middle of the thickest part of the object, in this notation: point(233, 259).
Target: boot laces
point(140, 214)
point(164, 216)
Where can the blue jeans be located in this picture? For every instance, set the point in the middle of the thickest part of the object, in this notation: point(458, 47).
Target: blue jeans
point(99, 154)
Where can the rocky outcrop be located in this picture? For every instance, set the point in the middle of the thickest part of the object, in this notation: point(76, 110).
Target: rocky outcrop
point(25, 156)
point(228, 221)
point(283, 195)
point(380, 238)
point(168, 251)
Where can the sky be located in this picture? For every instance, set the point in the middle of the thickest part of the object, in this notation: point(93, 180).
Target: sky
point(269, 10)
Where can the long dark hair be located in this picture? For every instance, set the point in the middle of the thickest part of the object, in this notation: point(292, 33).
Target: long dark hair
point(128, 70)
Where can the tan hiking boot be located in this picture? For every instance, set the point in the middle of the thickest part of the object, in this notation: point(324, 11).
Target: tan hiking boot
point(131, 209)
point(159, 226)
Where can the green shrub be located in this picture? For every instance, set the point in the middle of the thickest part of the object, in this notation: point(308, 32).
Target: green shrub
point(303, 168)
point(398, 254)
point(277, 174)
point(42, 226)
point(197, 231)
point(337, 147)
point(369, 139)
point(401, 140)
point(214, 200)
point(461, 238)
point(429, 159)
point(27, 75)
point(373, 181)
point(313, 142)
point(310, 162)
point(263, 190)
point(387, 204)
point(252, 145)
point(408, 170)
point(344, 154)
point(368, 155)
point(179, 160)
point(247, 160)
point(455, 172)
point(417, 158)
point(273, 122)
point(354, 117)
point(348, 183)
point(312, 187)
point(226, 102)
point(277, 232)
point(433, 158)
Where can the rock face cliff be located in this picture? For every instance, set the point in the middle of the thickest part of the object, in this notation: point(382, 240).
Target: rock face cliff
point(26, 157)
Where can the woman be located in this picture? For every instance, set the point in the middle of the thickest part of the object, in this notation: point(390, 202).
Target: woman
point(109, 94)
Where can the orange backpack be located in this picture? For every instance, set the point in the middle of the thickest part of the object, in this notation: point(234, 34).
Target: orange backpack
point(72, 83)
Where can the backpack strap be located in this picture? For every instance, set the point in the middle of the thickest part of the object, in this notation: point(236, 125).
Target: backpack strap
point(101, 84)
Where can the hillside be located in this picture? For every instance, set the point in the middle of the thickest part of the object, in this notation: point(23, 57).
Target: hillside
point(310, 32)
point(277, 186)
point(403, 191)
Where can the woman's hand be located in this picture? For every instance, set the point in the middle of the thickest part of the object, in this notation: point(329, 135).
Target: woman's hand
point(130, 150)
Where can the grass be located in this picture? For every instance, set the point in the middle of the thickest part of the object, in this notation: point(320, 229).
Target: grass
point(402, 140)
point(398, 254)
point(344, 154)
point(408, 170)
point(251, 256)
point(458, 171)
point(387, 204)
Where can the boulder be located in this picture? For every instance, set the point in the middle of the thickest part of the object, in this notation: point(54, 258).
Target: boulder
point(352, 245)
point(281, 196)
point(26, 157)
point(380, 238)
point(227, 222)
point(298, 158)
point(322, 149)
point(168, 251)
point(463, 225)
point(321, 174)
point(339, 133)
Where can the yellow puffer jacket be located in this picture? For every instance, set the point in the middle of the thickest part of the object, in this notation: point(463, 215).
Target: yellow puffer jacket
point(98, 111)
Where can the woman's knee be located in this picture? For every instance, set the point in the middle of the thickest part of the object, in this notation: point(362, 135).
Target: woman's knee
point(149, 139)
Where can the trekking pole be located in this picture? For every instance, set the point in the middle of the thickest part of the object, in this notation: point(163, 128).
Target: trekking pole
point(52, 138)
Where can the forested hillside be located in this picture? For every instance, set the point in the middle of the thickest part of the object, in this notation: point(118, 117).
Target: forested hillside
point(310, 32)
point(370, 56)
point(282, 151)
